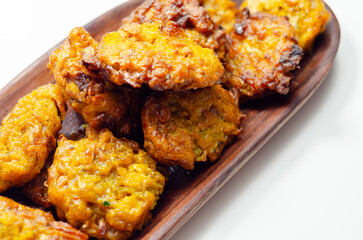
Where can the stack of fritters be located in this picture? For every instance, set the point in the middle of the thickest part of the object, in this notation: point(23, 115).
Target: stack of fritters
point(174, 48)
point(165, 79)
point(106, 186)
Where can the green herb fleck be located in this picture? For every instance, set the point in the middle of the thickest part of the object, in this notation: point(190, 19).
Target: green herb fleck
point(106, 204)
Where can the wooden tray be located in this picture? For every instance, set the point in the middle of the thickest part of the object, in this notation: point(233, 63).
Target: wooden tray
point(187, 191)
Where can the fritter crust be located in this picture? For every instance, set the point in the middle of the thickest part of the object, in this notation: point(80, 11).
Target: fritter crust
point(222, 12)
point(37, 190)
point(182, 128)
point(88, 92)
point(161, 56)
point(187, 14)
point(28, 133)
point(23, 223)
point(262, 51)
point(102, 185)
point(308, 17)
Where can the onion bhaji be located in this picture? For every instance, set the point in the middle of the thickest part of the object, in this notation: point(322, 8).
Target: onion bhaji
point(28, 134)
point(23, 223)
point(161, 56)
point(262, 52)
point(308, 17)
point(222, 12)
point(103, 185)
point(88, 92)
point(181, 128)
point(187, 14)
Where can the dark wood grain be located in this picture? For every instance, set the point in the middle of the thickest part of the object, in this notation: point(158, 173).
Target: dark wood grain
point(187, 191)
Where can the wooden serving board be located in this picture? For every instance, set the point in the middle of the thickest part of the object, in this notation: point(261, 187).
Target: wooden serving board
point(186, 192)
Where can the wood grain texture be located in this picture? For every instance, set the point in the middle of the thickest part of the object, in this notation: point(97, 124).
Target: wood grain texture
point(187, 191)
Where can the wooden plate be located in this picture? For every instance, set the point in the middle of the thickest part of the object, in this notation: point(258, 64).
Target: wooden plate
point(187, 191)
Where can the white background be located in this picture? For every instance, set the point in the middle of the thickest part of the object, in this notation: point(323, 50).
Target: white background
point(305, 183)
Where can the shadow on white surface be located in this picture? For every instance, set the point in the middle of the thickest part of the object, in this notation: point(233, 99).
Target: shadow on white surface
point(261, 173)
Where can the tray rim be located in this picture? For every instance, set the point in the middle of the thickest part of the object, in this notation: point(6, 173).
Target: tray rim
point(199, 200)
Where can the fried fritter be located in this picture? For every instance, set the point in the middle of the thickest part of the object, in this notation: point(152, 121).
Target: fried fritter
point(182, 128)
point(262, 51)
point(24, 223)
point(104, 186)
point(308, 17)
point(28, 133)
point(161, 56)
point(187, 14)
point(182, 12)
point(88, 92)
point(37, 190)
point(222, 12)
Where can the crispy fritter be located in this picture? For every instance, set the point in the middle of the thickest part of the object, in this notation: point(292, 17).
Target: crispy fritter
point(24, 223)
point(308, 17)
point(37, 190)
point(182, 128)
point(185, 14)
point(102, 185)
point(88, 92)
point(222, 12)
point(163, 57)
point(28, 133)
point(262, 51)
point(74, 126)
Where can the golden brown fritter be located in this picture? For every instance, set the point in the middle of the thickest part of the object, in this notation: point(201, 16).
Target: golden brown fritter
point(103, 185)
point(262, 51)
point(24, 223)
point(28, 133)
point(88, 92)
point(185, 14)
point(163, 57)
point(37, 190)
point(307, 17)
point(182, 128)
point(129, 126)
point(222, 12)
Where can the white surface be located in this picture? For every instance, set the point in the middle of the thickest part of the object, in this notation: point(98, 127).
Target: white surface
point(305, 183)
